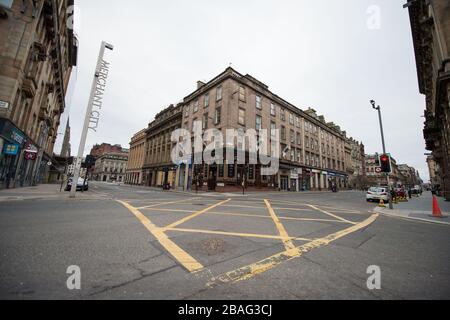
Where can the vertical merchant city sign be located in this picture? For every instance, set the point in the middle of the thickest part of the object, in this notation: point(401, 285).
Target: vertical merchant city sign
point(97, 101)
point(94, 108)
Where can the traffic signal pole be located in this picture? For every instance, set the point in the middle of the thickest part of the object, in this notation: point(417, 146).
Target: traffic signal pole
point(378, 108)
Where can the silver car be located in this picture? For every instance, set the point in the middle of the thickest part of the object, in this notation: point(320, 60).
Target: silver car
point(377, 194)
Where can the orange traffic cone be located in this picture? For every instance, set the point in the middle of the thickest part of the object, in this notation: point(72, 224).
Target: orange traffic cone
point(437, 213)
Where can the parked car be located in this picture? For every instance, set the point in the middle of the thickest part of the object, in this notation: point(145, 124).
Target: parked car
point(377, 193)
point(416, 190)
point(80, 184)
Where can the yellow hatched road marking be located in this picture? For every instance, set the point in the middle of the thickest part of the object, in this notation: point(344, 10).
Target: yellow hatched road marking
point(245, 215)
point(233, 234)
point(252, 270)
point(179, 254)
point(166, 203)
point(196, 214)
point(332, 215)
point(288, 244)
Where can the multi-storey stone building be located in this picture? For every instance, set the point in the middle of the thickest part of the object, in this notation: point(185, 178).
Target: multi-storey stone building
point(158, 169)
point(111, 167)
point(430, 23)
point(312, 150)
point(357, 180)
point(380, 179)
point(100, 149)
point(37, 53)
point(136, 158)
point(434, 170)
point(409, 175)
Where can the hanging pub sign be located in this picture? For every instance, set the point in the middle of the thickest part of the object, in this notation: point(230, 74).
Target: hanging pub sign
point(31, 152)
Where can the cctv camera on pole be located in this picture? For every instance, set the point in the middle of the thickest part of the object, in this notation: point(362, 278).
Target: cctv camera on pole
point(92, 116)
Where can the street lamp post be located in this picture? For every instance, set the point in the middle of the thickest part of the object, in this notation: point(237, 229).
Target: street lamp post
point(378, 108)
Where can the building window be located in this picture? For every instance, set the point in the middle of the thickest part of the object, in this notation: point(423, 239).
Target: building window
point(230, 172)
point(218, 116)
point(242, 117)
point(205, 120)
point(283, 133)
point(258, 102)
point(186, 111)
point(196, 106)
point(299, 155)
point(242, 94)
point(282, 115)
point(207, 100)
point(293, 155)
point(258, 123)
point(299, 139)
point(291, 119)
point(306, 126)
point(251, 172)
point(273, 110)
point(219, 93)
point(292, 135)
point(273, 127)
point(297, 122)
point(221, 170)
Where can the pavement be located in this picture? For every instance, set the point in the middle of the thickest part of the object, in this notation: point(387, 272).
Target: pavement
point(44, 191)
point(140, 243)
point(419, 208)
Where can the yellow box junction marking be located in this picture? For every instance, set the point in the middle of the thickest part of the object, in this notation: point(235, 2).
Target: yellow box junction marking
point(192, 216)
point(166, 203)
point(288, 244)
point(331, 215)
point(235, 234)
point(179, 254)
point(252, 270)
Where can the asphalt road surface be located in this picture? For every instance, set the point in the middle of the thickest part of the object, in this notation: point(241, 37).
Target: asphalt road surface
point(137, 243)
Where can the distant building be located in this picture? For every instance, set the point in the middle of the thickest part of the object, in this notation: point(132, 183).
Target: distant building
point(410, 176)
point(100, 149)
point(435, 173)
point(111, 167)
point(357, 176)
point(430, 25)
point(136, 158)
point(66, 147)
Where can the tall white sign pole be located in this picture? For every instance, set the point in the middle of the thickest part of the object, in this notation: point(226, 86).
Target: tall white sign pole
point(98, 87)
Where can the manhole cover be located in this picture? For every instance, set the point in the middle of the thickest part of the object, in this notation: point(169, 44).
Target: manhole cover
point(213, 247)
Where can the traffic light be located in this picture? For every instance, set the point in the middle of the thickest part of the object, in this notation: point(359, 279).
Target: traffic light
point(385, 163)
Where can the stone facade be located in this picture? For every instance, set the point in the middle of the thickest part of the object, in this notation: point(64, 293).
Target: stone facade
point(159, 170)
point(430, 24)
point(358, 178)
point(37, 53)
point(136, 159)
point(314, 156)
point(111, 167)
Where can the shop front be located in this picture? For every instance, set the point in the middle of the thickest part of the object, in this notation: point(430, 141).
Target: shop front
point(12, 143)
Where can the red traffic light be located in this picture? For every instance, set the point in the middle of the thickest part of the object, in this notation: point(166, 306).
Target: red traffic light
point(385, 163)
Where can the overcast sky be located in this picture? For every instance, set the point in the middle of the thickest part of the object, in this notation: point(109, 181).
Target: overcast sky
point(331, 55)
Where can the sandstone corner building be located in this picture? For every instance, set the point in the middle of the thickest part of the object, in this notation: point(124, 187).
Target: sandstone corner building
point(318, 154)
point(38, 51)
